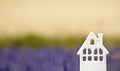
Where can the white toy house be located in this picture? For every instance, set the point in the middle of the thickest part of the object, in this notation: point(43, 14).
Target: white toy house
point(93, 54)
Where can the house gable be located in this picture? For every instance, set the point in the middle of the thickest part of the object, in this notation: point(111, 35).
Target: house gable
point(98, 43)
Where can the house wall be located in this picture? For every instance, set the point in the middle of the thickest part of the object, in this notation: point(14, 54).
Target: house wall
point(93, 65)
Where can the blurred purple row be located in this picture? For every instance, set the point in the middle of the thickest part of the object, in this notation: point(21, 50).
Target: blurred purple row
point(48, 59)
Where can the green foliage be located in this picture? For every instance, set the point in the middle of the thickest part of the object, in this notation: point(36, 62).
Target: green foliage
point(29, 40)
point(23, 41)
point(32, 40)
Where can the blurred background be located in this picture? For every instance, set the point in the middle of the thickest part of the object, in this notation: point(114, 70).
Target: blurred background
point(35, 34)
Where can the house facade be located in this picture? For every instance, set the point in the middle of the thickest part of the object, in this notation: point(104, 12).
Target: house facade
point(93, 54)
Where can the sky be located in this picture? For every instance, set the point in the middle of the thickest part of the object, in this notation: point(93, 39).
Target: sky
point(59, 17)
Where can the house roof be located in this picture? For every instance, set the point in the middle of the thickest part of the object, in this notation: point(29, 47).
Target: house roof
point(98, 42)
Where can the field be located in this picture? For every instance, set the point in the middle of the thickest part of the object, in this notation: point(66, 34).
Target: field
point(38, 53)
point(48, 59)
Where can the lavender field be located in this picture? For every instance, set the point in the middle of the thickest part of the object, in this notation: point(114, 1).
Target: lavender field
point(48, 59)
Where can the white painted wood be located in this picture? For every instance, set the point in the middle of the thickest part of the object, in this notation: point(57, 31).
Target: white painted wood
point(93, 56)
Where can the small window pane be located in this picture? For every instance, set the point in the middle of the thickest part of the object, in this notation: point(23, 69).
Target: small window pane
point(101, 58)
point(92, 42)
point(89, 58)
point(89, 51)
point(84, 58)
point(100, 51)
point(95, 58)
point(84, 51)
point(95, 51)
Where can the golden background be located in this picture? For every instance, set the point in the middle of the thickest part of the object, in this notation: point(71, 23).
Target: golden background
point(59, 17)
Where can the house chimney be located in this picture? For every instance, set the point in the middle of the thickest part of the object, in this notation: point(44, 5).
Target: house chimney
point(100, 38)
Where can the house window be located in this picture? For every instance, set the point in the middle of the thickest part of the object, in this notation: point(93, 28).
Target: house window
point(98, 52)
point(95, 58)
point(92, 42)
point(89, 51)
point(95, 51)
point(89, 58)
point(84, 51)
point(101, 58)
point(84, 58)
